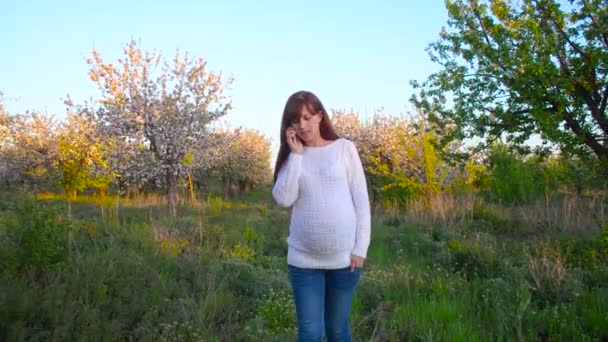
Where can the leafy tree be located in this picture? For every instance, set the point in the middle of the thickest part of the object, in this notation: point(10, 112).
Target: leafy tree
point(5, 123)
point(250, 160)
point(27, 148)
point(513, 179)
point(243, 161)
point(512, 69)
point(399, 156)
point(166, 111)
point(80, 155)
point(379, 142)
point(211, 151)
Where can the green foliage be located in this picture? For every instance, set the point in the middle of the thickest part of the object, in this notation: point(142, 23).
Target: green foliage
point(399, 186)
point(177, 332)
point(116, 293)
point(250, 235)
point(495, 218)
point(516, 69)
point(278, 311)
point(514, 180)
point(370, 293)
point(74, 173)
point(603, 240)
point(81, 154)
point(585, 252)
point(420, 282)
point(474, 258)
point(33, 237)
point(592, 308)
point(240, 251)
point(248, 282)
point(552, 280)
point(217, 204)
point(501, 303)
point(241, 160)
point(577, 174)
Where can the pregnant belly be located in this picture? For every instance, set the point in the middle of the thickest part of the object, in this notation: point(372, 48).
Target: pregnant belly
point(325, 237)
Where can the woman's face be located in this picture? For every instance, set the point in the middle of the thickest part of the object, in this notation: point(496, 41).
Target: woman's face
point(307, 127)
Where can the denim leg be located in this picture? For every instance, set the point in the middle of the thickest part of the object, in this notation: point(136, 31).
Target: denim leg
point(339, 289)
point(308, 293)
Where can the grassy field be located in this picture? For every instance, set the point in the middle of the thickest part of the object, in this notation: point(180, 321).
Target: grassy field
point(121, 269)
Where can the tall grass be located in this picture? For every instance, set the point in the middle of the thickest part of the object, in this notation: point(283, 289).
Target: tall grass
point(464, 269)
point(564, 212)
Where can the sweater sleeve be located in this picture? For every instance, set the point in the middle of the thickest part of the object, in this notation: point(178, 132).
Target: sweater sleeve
point(358, 190)
point(285, 190)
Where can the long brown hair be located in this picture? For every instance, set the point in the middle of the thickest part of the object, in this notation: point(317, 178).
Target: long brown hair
point(292, 113)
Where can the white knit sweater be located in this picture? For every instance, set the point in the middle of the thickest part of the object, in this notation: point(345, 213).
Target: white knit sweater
point(330, 217)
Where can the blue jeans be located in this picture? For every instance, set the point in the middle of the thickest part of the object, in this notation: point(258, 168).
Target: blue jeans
point(323, 299)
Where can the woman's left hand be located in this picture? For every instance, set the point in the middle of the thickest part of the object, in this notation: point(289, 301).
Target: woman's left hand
point(356, 261)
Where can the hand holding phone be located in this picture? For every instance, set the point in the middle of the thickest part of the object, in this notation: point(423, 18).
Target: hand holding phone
point(294, 142)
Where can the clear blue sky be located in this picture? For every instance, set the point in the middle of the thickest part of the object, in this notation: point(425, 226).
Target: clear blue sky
point(356, 55)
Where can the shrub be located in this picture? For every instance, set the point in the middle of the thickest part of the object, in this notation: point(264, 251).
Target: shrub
point(552, 281)
point(34, 236)
point(474, 258)
point(277, 308)
point(515, 180)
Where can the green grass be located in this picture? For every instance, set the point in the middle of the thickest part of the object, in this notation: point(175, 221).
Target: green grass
point(123, 270)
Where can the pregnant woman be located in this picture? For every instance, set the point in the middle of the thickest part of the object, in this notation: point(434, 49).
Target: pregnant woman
point(321, 177)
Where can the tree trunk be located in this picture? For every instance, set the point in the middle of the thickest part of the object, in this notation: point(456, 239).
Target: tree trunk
point(69, 209)
point(604, 165)
point(70, 192)
point(101, 192)
point(191, 189)
point(227, 187)
point(172, 192)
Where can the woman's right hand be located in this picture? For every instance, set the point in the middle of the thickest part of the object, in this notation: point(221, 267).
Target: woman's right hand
point(295, 144)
